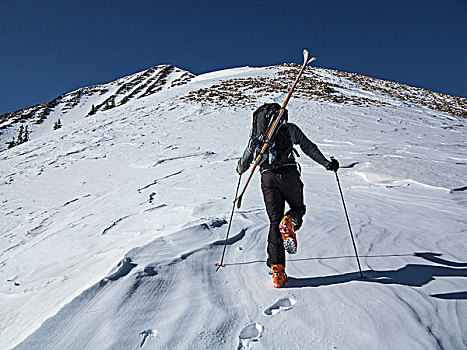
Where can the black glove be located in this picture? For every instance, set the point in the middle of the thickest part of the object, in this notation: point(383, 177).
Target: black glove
point(238, 169)
point(333, 165)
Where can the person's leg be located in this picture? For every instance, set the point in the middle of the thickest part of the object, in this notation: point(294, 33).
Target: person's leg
point(275, 205)
point(291, 188)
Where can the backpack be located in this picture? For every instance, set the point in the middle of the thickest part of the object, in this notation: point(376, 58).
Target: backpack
point(263, 118)
point(280, 151)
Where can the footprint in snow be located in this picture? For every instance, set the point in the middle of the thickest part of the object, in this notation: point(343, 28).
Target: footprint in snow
point(248, 335)
point(282, 304)
point(145, 335)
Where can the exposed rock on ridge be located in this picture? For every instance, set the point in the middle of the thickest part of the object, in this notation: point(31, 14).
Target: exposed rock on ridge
point(325, 85)
point(103, 96)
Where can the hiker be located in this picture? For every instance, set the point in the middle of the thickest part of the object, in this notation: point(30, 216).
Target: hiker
point(280, 182)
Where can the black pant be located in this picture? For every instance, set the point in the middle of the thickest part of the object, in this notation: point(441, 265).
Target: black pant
point(280, 186)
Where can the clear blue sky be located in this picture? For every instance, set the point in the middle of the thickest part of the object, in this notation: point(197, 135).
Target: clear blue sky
point(51, 47)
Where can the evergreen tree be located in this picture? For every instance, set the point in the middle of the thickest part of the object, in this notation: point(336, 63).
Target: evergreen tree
point(20, 135)
point(12, 143)
point(23, 136)
point(26, 134)
point(57, 124)
point(93, 110)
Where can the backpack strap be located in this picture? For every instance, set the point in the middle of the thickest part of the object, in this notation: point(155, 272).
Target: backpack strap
point(295, 152)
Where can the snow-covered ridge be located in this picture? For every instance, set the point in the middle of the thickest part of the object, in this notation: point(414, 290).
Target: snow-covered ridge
point(437, 101)
point(245, 91)
point(92, 99)
point(110, 226)
point(325, 85)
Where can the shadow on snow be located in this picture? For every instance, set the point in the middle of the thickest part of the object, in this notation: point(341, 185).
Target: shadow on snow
point(412, 275)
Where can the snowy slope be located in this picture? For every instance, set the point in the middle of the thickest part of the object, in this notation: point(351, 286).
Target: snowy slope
point(111, 226)
point(72, 106)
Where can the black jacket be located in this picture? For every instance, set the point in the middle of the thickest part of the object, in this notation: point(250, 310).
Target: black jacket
point(298, 138)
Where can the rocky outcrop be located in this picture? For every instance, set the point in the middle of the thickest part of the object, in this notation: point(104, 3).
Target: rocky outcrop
point(89, 100)
point(325, 85)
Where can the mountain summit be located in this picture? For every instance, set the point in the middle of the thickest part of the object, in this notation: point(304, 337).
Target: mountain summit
point(111, 225)
point(90, 100)
point(318, 84)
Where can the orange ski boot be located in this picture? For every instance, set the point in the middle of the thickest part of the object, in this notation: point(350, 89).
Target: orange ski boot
point(279, 277)
point(287, 229)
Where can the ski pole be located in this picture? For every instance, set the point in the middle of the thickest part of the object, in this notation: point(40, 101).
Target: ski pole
point(230, 223)
point(348, 222)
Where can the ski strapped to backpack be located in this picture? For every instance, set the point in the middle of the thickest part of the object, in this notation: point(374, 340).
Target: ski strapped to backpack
point(274, 127)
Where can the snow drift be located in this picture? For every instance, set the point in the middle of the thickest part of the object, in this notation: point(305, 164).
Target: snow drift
point(111, 226)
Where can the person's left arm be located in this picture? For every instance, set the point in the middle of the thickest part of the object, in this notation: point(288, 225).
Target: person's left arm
point(247, 157)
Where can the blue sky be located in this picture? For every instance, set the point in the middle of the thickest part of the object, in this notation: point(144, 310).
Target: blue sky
point(52, 47)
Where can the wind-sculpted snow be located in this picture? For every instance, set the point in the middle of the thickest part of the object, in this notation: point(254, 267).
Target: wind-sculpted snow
point(152, 287)
point(110, 228)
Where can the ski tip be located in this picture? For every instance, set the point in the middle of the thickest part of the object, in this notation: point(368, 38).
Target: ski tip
point(306, 57)
point(219, 266)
